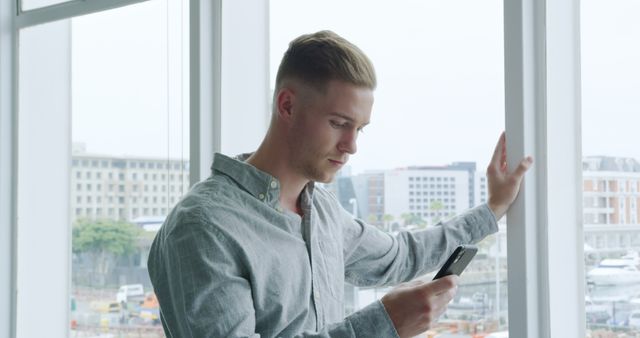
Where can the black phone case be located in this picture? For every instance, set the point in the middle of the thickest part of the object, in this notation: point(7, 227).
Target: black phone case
point(458, 261)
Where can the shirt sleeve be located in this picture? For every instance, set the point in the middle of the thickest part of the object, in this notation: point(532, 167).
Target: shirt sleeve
point(207, 293)
point(204, 291)
point(376, 258)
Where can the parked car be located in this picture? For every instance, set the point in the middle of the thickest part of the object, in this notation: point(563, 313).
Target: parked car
point(596, 313)
point(634, 319)
point(130, 292)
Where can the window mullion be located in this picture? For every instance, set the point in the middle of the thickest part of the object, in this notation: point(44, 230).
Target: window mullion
point(8, 99)
point(545, 251)
point(524, 108)
point(205, 82)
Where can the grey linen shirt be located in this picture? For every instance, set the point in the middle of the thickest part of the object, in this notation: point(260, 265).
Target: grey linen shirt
point(230, 261)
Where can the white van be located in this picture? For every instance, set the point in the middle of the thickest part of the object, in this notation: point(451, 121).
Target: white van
point(130, 292)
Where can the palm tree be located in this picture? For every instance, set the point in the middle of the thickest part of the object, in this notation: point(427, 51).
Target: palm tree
point(387, 221)
point(436, 206)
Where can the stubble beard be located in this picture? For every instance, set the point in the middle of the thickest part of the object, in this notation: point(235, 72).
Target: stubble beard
point(311, 166)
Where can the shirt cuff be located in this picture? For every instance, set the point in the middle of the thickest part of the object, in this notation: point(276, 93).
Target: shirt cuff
point(480, 222)
point(488, 218)
point(373, 321)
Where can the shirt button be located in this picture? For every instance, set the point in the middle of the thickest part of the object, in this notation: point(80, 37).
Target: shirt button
point(274, 184)
point(261, 196)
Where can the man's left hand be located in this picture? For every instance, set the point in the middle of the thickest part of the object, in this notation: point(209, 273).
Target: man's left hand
point(504, 185)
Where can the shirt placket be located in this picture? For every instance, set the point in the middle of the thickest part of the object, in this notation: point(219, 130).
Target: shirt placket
point(312, 245)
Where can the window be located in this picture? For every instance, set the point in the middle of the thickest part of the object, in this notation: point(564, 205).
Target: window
point(36, 31)
point(442, 54)
point(116, 82)
point(609, 55)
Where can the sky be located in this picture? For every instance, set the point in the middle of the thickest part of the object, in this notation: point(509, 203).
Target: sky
point(439, 64)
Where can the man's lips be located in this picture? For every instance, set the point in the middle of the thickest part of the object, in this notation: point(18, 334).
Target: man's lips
point(336, 161)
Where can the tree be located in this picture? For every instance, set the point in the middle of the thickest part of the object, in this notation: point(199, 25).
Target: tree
point(103, 241)
point(413, 219)
point(387, 221)
point(436, 206)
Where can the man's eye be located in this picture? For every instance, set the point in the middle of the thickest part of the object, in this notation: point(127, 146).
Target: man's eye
point(337, 125)
point(361, 129)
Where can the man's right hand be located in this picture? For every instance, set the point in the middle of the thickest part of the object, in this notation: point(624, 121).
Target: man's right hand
point(414, 306)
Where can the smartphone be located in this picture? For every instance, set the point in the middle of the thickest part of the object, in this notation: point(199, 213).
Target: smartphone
point(458, 261)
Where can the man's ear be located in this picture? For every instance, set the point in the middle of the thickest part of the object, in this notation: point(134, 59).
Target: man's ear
point(284, 103)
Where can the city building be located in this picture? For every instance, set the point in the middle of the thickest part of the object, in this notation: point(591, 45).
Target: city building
point(432, 193)
point(611, 187)
point(125, 188)
point(412, 194)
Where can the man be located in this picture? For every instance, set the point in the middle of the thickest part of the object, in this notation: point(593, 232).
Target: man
point(258, 250)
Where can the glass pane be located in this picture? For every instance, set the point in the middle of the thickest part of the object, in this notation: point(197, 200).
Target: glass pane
point(611, 166)
point(33, 4)
point(129, 160)
point(438, 112)
point(104, 109)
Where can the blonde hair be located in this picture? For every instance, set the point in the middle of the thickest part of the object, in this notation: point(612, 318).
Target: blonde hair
point(315, 59)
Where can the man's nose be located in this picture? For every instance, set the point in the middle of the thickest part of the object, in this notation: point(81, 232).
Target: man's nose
point(348, 144)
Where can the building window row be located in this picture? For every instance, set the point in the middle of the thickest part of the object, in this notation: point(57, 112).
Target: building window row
point(136, 212)
point(431, 193)
point(96, 163)
point(432, 179)
point(432, 186)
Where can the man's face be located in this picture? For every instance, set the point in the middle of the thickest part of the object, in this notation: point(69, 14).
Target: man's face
point(325, 127)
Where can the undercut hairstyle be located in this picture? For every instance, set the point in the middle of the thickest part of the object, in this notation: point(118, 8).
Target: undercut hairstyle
point(315, 59)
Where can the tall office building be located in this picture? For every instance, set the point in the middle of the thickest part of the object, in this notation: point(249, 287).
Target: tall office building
point(426, 192)
point(433, 192)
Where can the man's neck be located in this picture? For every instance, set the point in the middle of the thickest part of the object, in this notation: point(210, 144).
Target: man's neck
point(276, 164)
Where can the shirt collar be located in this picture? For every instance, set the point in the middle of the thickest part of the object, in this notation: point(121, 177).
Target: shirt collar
point(258, 183)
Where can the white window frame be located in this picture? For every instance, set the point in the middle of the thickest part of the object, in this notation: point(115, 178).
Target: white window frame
point(546, 296)
point(8, 74)
point(542, 93)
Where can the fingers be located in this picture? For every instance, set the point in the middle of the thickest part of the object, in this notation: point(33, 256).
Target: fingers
point(439, 294)
point(439, 303)
point(522, 168)
point(498, 153)
point(441, 285)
